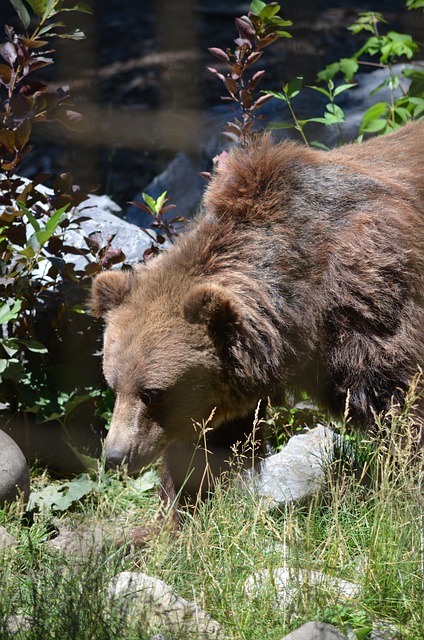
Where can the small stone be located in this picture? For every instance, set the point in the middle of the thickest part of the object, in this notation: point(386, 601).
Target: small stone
point(18, 623)
point(6, 540)
point(14, 472)
point(79, 543)
point(315, 631)
point(288, 582)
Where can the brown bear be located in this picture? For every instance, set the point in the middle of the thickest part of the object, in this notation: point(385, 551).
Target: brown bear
point(305, 269)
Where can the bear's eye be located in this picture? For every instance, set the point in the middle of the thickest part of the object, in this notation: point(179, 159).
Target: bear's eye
point(149, 395)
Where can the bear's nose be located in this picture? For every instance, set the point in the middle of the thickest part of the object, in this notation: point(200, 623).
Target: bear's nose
point(114, 458)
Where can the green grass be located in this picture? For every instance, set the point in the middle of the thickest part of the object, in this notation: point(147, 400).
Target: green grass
point(365, 527)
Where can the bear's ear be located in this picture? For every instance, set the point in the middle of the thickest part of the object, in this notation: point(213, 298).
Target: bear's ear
point(109, 290)
point(216, 307)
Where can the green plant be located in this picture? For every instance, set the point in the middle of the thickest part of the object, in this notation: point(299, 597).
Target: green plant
point(42, 307)
point(296, 414)
point(350, 617)
point(387, 49)
point(406, 86)
point(333, 115)
point(164, 230)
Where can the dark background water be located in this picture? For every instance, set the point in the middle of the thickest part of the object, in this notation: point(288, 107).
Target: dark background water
point(141, 77)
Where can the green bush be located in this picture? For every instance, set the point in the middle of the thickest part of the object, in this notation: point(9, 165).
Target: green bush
point(43, 295)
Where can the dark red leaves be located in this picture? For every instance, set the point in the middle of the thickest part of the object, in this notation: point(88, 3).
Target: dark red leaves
point(255, 32)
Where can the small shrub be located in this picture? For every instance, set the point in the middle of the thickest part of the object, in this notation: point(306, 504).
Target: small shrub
point(256, 31)
point(164, 231)
point(43, 294)
point(380, 51)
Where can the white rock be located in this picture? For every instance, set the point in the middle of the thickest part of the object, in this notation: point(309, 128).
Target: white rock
point(289, 583)
point(297, 471)
point(6, 540)
point(103, 216)
point(161, 607)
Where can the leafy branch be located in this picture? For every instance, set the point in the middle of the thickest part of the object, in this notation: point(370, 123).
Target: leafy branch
point(386, 50)
point(27, 101)
point(256, 31)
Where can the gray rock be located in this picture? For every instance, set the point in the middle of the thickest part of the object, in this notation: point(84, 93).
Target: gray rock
point(14, 472)
point(384, 630)
point(104, 216)
point(78, 543)
point(287, 584)
point(6, 540)
point(297, 471)
point(18, 624)
point(315, 631)
point(161, 607)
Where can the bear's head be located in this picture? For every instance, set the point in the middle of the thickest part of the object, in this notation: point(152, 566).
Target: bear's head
point(164, 358)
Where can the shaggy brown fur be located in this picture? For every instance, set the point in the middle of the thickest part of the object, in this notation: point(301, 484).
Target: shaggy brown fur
point(306, 269)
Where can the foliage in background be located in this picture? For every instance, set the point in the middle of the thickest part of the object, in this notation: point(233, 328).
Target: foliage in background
point(379, 51)
point(262, 26)
point(43, 294)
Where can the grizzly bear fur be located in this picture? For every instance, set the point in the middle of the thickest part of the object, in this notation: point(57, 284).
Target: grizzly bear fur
point(306, 269)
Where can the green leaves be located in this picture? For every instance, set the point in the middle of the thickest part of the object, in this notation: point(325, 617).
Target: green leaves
point(415, 4)
point(164, 229)
point(153, 205)
point(65, 495)
point(145, 482)
point(267, 14)
point(333, 114)
point(22, 12)
point(256, 6)
point(41, 235)
point(388, 49)
point(46, 9)
point(60, 497)
point(346, 66)
point(290, 90)
point(393, 45)
point(8, 313)
point(367, 21)
point(42, 8)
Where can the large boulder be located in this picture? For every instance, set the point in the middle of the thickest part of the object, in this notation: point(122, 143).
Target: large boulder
point(14, 473)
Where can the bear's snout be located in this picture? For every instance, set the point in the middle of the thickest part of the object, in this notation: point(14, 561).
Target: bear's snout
point(114, 457)
point(134, 439)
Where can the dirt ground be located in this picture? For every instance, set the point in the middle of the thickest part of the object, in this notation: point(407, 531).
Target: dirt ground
point(140, 77)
